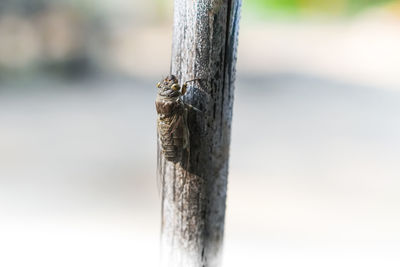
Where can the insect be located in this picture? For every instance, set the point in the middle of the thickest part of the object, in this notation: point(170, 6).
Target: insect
point(172, 128)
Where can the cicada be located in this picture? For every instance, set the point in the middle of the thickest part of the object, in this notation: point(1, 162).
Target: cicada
point(172, 127)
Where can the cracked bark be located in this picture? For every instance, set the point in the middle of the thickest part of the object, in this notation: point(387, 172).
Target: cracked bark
point(204, 46)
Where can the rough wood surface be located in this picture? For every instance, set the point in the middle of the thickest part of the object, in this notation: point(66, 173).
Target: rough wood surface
point(194, 194)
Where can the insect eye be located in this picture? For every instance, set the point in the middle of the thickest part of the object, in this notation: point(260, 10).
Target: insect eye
point(175, 87)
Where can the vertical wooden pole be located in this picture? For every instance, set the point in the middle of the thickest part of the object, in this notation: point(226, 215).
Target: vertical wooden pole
point(204, 46)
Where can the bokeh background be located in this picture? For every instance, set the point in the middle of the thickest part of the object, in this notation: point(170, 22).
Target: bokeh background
point(314, 169)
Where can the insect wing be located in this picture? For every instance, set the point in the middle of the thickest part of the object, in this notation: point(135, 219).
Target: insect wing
point(160, 163)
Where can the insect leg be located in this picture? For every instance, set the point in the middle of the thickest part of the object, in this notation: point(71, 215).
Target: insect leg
point(191, 107)
point(184, 85)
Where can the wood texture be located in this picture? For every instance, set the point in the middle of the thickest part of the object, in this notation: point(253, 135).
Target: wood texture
point(194, 191)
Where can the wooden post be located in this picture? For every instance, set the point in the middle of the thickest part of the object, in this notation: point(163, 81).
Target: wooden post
point(204, 46)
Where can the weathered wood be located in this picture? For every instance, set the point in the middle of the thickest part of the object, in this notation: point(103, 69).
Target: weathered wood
point(194, 190)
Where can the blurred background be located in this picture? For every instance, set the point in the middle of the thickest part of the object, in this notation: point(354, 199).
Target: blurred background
point(314, 175)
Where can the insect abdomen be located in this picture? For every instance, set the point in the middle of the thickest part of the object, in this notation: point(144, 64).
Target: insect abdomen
point(171, 128)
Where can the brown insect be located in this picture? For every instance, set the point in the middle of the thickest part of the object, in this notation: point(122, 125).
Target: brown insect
point(172, 128)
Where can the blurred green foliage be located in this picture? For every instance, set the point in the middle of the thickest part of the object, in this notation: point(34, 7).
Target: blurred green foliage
point(299, 8)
